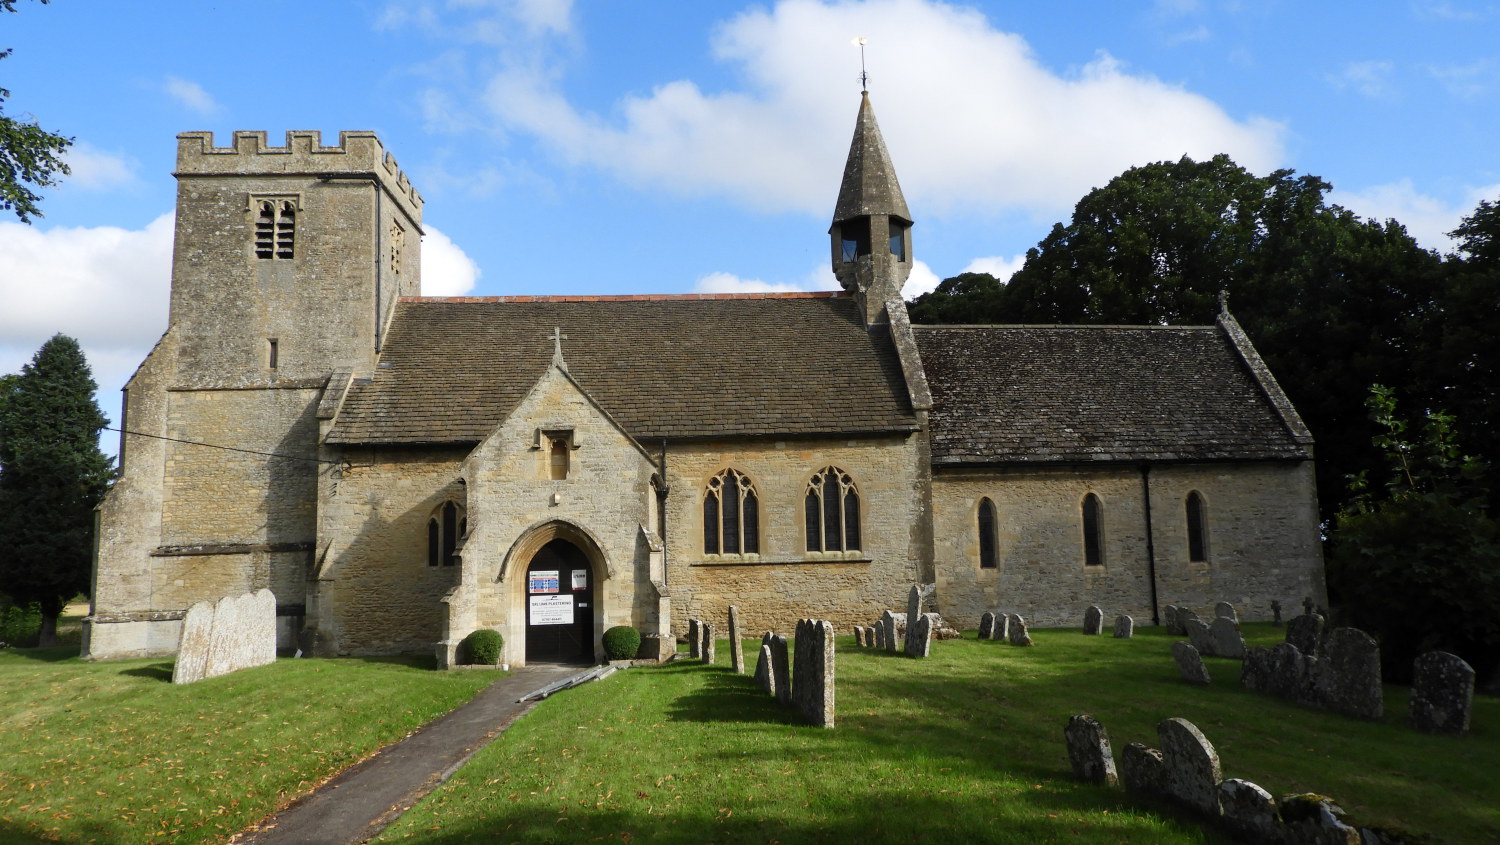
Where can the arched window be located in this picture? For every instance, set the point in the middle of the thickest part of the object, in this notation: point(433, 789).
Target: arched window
point(1197, 528)
point(1093, 531)
point(988, 558)
point(557, 458)
point(731, 515)
point(832, 510)
point(444, 529)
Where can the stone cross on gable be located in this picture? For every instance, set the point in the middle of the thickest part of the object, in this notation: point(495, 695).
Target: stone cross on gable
point(557, 338)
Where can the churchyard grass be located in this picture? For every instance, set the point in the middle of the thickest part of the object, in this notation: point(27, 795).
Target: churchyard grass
point(964, 746)
point(115, 753)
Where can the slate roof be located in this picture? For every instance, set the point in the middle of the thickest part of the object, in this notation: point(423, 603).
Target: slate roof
point(661, 366)
point(1034, 394)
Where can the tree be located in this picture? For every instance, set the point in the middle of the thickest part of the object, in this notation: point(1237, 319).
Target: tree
point(1333, 302)
point(30, 156)
point(52, 474)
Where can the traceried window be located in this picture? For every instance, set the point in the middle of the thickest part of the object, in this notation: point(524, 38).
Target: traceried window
point(275, 227)
point(444, 529)
point(831, 508)
point(987, 552)
point(1197, 528)
point(1093, 531)
point(731, 515)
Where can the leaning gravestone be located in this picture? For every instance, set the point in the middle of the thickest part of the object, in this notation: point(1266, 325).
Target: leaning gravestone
point(707, 650)
point(1142, 770)
point(1190, 663)
point(263, 627)
point(1088, 750)
point(224, 638)
point(1249, 811)
point(1192, 765)
point(1225, 610)
point(1442, 693)
point(813, 672)
point(880, 635)
point(1349, 674)
point(1093, 621)
point(1018, 633)
point(1202, 639)
point(192, 650)
point(781, 677)
point(736, 648)
point(236, 632)
point(859, 635)
point(919, 636)
point(1227, 639)
point(894, 624)
point(763, 665)
point(987, 625)
point(1172, 622)
point(695, 640)
point(1306, 633)
point(913, 610)
point(1124, 627)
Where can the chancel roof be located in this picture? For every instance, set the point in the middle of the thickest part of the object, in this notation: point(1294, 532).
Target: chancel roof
point(661, 366)
point(1035, 394)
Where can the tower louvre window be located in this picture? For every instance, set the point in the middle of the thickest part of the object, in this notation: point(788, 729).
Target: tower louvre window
point(731, 515)
point(831, 508)
point(275, 227)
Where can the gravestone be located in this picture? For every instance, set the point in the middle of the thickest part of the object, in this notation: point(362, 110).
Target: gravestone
point(192, 650)
point(736, 648)
point(872, 634)
point(1124, 627)
point(1184, 616)
point(913, 610)
point(1018, 633)
point(1190, 663)
point(263, 627)
point(1442, 693)
point(1249, 811)
point(1306, 633)
point(1226, 610)
point(895, 626)
point(1088, 750)
point(1002, 627)
point(859, 635)
point(1308, 817)
point(1349, 674)
point(1200, 636)
point(987, 625)
point(1093, 620)
point(1276, 613)
point(224, 642)
point(919, 638)
point(1142, 770)
point(781, 678)
point(1192, 767)
point(1307, 606)
point(763, 677)
point(1282, 671)
point(1172, 622)
point(707, 650)
point(1227, 639)
point(695, 640)
point(235, 632)
point(813, 672)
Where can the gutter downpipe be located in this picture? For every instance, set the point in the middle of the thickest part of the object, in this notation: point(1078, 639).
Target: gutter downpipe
point(1150, 543)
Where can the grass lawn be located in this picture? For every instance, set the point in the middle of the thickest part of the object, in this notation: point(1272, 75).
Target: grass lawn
point(964, 746)
point(114, 753)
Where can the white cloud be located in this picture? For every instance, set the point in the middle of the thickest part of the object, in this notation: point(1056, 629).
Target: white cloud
point(998, 266)
point(105, 286)
point(446, 269)
point(191, 95)
point(922, 280)
point(1368, 79)
point(730, 283)
point(971, 115)
point(1426, 218)
point(93, 169)
point(1467, 82)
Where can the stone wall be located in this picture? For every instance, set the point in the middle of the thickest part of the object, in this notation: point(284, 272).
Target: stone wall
point(1262, 540)
point(785, 582)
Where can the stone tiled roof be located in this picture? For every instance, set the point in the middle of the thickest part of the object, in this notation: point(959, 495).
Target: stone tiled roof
point(1033, 394)
point(662, 366)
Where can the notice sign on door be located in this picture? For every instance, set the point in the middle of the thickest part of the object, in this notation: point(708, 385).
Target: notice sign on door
point(552, 610)
point(580, 579)
point(542, 582)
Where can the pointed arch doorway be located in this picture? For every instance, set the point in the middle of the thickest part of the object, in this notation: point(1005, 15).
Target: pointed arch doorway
point(560, 605)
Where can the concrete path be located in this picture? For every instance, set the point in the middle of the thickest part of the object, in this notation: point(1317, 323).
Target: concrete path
point(360, 801)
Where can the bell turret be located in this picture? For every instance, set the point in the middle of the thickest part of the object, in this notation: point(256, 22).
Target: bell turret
point(871, 231)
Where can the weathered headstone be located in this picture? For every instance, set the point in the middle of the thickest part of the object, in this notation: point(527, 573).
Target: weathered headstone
point(1172, 622)
point(1124, 627)
point(224, 638)
point(1442, 693)
point(1089, 751)
point(781, 677)
point(1018, 633)
point(1249, 811)
point(236, 632)
point(1002, 627)
point(1306, 633)
point(919, 637)
point(695, 639)
point(913, 610)
point(1142, 770)
point(859, 635)
point(262, 628)
point(986, 625)
point(895, 629)
point(736, 648)
point(763, 677)
point(813, 672)
point(1184, 615)
point(1093, 620)
point(1307, 606)
point(1349, 674)
point(1192, 765)
point(1190, 663)
point(192, 649)
point(1200, 636)
point(1276, 613)
point(1314, 818)
point(708, 650)
point(1282, 671)
point(1226, 610)
point(1227, 639)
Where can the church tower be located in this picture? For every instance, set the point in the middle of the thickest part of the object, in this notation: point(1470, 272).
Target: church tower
point(871, 231)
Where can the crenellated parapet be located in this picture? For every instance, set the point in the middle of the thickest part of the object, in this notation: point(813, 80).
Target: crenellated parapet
point(358, 153)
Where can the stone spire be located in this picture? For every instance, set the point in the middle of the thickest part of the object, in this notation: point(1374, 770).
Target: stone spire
point(871, 231)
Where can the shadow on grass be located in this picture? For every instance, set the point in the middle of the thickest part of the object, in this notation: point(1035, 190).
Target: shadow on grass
point(156, 671)
point(50, 654)
point(727, 697)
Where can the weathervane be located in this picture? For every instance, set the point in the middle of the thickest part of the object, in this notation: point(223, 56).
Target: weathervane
point(864, 78)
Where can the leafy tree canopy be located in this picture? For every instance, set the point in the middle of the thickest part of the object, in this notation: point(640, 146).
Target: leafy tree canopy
point(30, 156)
point(52, 474)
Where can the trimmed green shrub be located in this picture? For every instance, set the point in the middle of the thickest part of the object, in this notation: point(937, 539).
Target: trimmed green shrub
point(622, 642)
point(481, 648)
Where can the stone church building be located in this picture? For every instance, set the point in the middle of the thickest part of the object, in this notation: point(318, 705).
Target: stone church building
point(401, 470)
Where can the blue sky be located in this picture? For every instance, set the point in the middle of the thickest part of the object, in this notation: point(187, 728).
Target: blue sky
point(650, 147)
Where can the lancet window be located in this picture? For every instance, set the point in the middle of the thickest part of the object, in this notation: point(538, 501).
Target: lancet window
point(1197, 527)
point(1093, 531)
point(444, 529)
point(988, 558)
point(731, 515)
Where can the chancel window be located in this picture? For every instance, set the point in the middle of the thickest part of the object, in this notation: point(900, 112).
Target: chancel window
point(731, 515)
point(1093, 531)
point(275, 227)
point(444, 529)
point(1197, 528)
point(987, 551)
point(831, 508)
